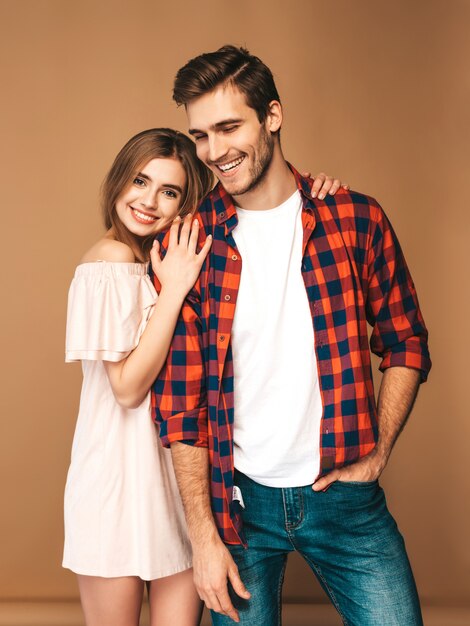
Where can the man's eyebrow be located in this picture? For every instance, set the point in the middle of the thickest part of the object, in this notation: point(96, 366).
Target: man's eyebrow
point(217, 126)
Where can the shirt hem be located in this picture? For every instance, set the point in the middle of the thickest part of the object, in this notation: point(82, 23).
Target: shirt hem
point(128, 571)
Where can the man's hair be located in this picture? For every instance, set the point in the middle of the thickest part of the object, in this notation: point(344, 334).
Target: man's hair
point(227, 65)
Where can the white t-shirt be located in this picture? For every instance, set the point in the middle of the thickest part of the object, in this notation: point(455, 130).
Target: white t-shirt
point(278, 405)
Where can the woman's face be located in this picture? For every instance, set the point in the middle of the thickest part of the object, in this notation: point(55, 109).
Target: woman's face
point(152, 200)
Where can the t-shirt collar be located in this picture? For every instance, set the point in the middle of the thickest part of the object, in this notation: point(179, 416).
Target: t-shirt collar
point(225, 208)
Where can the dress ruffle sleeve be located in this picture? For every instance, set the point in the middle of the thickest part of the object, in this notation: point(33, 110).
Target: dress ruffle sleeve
point(109, 305)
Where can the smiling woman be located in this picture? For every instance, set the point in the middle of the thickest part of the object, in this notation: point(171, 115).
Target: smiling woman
point(159, 172)
point(124, 522)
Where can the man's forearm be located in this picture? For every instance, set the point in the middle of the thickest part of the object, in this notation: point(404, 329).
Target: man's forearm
point(396, 397)
point(397, 394)
point(191, 465)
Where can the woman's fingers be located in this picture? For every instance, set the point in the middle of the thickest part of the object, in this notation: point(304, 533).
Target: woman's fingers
point(192, 245)
point(205, 249)
point(173, 239)
point(335, 185)
point(185, 232)
point(155, 255)
point(186, 241)
point(324, 185)
point(193, 241)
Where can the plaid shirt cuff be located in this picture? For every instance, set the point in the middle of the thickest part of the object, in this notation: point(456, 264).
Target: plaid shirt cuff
point(411, 353)
point(189, 428)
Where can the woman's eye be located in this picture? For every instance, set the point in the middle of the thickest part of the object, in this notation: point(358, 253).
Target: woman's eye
point(138, 181)
point(170, 193)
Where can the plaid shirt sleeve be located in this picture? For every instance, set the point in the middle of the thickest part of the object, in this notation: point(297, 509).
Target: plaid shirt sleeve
point(179, 403)
point(399, 334)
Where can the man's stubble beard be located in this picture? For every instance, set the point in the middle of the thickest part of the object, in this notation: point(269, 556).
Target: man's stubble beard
point(260, 166)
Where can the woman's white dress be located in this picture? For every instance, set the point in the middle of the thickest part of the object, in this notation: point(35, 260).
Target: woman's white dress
point(123, 513)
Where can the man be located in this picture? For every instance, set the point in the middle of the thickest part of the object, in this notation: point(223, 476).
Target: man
point(267, 398)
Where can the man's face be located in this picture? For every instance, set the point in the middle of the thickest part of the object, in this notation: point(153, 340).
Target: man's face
point(230, 139)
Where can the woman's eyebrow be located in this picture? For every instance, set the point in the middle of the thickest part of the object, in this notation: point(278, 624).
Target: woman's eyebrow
point(171, 186)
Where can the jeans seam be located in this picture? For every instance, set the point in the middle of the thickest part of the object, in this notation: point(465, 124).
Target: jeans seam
point(279, 589)
point(287, 525)
point(301, 517)
point(330, 591)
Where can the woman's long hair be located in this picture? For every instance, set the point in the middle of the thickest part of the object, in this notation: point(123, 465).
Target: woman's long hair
point(156, 143)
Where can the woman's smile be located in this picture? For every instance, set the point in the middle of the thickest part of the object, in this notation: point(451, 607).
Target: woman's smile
point(143, 217)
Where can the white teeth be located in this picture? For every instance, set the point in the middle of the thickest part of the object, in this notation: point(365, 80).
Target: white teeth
point(229, 166)
point(142, 216)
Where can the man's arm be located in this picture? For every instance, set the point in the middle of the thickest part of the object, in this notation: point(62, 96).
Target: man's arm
point(212, 562)
point(397, 394)
point(399, 337)
point(179, 402)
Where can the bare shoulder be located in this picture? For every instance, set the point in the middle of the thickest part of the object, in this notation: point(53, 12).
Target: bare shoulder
point(109, 250)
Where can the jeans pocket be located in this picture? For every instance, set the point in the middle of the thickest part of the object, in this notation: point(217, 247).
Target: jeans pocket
point(357, 483)
point(356, 495)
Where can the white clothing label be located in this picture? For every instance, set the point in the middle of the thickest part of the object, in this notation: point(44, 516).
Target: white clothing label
point(237, 495)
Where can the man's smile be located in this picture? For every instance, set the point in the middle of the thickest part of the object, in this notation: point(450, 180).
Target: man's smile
point(231, 167)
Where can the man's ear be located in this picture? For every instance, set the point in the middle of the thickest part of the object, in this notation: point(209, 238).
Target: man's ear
point(274, 116)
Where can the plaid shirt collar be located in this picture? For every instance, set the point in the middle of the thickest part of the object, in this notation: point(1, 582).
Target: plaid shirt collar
point(226, 212)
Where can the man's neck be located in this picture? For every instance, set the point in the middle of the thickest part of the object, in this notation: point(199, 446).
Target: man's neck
point(275, 188)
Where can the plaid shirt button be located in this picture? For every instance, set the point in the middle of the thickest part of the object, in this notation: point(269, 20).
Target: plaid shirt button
point(234, 257)
point(227, 298)
point(222, 338)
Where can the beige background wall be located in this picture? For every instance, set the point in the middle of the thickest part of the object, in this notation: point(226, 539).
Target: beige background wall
point(374, 91)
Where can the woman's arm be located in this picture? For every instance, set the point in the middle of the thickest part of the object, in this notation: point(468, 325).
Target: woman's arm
point(132, 377)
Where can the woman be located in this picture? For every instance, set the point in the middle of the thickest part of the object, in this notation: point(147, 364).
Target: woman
point(124, 522)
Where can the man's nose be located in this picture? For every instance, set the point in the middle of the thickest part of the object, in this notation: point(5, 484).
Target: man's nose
point(217, 148)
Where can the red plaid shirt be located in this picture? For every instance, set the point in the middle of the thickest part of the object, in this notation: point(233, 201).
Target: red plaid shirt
point(354, 273)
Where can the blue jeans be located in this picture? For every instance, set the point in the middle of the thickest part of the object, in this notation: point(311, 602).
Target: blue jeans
point(348, 538)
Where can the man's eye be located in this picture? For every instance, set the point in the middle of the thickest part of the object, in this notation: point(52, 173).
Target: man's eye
point(230, 129)
point(199, 137)
point(140, 182)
